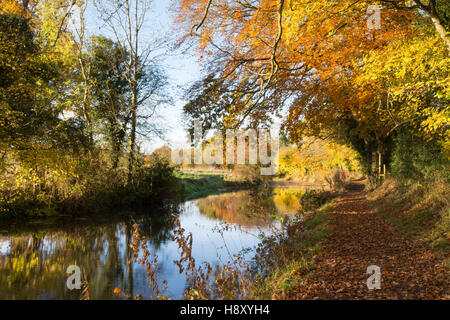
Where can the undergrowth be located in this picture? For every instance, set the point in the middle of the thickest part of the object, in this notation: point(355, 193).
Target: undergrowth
point(419, 211)
point(286, 259)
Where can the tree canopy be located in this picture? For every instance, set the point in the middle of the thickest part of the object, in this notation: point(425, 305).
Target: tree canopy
point(321, 67)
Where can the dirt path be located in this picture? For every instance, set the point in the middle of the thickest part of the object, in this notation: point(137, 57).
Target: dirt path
point(359, 239)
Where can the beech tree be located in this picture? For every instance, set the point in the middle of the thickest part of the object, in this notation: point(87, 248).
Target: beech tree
point(317, 60)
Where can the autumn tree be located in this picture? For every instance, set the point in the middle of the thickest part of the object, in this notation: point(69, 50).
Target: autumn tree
point(26, 78)
point(315, 60)
point(438, 12)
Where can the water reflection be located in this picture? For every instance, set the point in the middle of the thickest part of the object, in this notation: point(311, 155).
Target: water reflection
point(34, 257)
point(247, 209)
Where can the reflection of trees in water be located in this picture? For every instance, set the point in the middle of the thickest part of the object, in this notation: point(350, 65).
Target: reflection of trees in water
point(36, 263)
point(287, 200)
point(251, 208)
point(39, 261)
point(158, 228)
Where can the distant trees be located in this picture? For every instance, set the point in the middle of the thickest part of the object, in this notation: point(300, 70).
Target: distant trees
point(163, 153)
point(316, 157)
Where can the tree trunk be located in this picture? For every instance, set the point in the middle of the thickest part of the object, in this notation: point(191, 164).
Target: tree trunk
point(129, 260)
point(441, 30)
point(438, 22)
point(132, 151)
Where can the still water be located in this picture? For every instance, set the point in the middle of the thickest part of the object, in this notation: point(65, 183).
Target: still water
point(34, 257)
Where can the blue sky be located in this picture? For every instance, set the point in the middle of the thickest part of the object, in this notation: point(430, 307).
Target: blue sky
point(181, 70)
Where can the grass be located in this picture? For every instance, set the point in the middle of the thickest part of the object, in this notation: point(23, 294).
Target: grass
point(420, 212)
point(293, 255)
point(198, 185)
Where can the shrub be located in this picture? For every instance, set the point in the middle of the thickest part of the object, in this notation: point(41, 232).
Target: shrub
point(65, 184)
point(313, 199)
point(414, 159)
point(249, 174)
point(154, 182)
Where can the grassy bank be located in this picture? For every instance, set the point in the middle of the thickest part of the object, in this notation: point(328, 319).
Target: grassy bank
point(286, 259)
point(198, 185)
point(421, 212)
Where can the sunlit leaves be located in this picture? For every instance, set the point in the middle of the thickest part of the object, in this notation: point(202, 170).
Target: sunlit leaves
point(320, 60)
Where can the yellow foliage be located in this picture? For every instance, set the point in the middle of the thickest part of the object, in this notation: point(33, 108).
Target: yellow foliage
point(316, 156)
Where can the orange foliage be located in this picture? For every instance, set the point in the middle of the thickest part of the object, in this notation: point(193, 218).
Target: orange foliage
point(19, 7)
point(307, 51)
